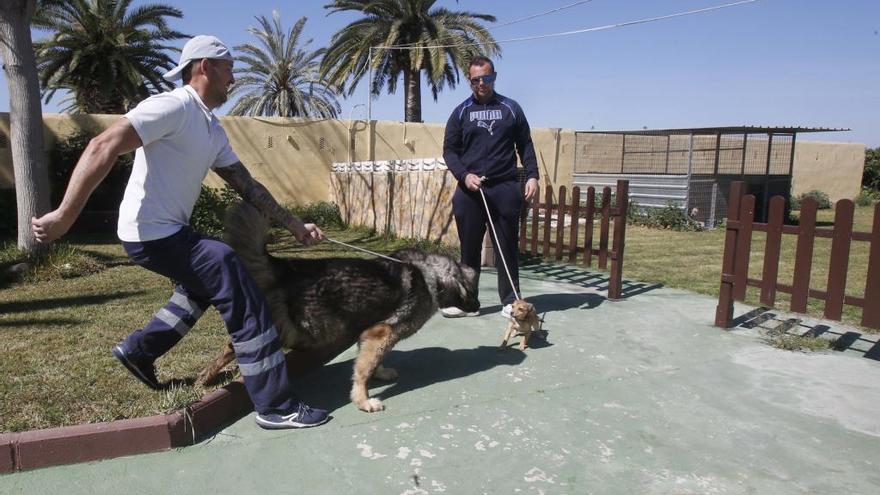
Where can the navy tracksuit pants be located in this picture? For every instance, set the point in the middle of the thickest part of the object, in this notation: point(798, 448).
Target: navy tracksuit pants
point(505, 201)
point(207, 272)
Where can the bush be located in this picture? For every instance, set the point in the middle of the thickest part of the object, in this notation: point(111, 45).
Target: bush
point(8, 214)
point(63, 157)
point(211, 205)
point(322, 213)
point(670, 217)
point(871, 173)
point(867, 197)
point(821, 198)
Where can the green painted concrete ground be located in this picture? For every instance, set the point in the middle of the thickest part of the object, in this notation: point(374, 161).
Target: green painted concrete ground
point(642, 396)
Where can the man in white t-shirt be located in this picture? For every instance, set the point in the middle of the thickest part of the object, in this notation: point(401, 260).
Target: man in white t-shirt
point(177, 139)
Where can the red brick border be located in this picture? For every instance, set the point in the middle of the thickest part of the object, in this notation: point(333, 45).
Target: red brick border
point(91, 442)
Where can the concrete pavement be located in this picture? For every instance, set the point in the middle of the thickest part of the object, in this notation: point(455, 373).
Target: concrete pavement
point(638, 396)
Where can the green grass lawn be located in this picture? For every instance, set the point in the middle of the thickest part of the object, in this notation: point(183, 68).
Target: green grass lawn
point(56, 335)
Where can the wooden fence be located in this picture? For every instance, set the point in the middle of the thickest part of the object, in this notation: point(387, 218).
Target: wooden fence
point(546, 215)
point(737, 249)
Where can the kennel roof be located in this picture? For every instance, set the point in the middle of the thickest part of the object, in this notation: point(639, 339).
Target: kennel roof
point(738, 129)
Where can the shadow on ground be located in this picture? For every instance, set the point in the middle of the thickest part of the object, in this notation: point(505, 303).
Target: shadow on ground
point(418, 368)
point(538, 269)
point(63, 302)
point(767, 319)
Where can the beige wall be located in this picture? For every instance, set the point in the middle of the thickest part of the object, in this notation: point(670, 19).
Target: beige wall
point(833, 168)
point(292, 157)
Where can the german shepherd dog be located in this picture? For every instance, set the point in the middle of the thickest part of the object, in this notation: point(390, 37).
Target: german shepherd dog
point(319, 305)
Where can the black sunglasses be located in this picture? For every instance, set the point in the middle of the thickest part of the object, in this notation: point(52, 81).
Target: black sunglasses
point(487, 79)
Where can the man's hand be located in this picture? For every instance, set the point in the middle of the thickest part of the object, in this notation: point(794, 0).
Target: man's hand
point(531, 188)
point(309, 235)
point(472, 182)
point(50, 226)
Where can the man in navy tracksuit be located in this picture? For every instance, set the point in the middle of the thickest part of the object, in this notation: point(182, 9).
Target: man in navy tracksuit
point(483, 136)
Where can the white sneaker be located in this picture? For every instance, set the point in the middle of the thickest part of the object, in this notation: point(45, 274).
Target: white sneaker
point(453, 312)
point(505, 311)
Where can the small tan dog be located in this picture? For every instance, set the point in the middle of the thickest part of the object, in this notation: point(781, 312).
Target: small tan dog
point(523, 321)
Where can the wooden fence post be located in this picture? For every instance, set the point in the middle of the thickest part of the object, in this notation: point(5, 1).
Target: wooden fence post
point(840, 244)
point(575, 223)
point(616, 278)
point(871, 311)
point(560, 223)
point(743, 247)
point(548, 215)
point(588, 228)
point(772, 248)
point(803, 257)
point(603, 228)
point(724, 310)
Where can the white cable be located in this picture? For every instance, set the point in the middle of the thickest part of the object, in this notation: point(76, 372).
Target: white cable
point(498, 245)
point(362, 249)
point(579, 31)
point(540, 14)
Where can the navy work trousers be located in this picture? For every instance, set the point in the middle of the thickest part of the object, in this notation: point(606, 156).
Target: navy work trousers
point(505, 201)
point(208, 272)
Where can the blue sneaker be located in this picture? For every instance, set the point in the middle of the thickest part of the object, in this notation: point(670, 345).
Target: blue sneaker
point(143, 371)
point(303, 417)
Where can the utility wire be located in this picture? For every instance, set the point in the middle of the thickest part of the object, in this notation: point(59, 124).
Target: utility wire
point(580, 31)
point(540, 14)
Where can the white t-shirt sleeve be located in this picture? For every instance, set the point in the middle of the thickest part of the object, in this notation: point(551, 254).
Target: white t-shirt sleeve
point(157, 117)
point(226, 157)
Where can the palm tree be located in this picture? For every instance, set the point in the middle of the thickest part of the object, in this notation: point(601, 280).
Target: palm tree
point(25, 119)
point(108, 57)
point(279, 76)
point(439, 41)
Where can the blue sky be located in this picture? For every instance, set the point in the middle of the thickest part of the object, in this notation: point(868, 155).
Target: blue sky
point(773, 62)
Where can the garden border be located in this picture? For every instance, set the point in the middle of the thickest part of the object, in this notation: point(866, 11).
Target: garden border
point(108, 440)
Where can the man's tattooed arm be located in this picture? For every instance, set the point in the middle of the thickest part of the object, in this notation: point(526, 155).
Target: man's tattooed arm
point(238, 177)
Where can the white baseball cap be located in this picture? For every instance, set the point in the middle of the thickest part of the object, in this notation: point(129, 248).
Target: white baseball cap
point(201, 46)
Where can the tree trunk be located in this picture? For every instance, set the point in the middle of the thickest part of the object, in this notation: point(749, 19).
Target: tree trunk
point(25, 118)
point(413, 101)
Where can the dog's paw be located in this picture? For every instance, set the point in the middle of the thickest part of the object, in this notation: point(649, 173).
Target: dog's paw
point(387, 374)
point(371, 405)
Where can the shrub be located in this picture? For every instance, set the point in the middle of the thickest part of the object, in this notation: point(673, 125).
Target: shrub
point(63, 157)
point(207, 215)
point(322, 213)
point(867, 197)
point(822, 199)
point(8, 214)
point(871, 173)
point(670, 217)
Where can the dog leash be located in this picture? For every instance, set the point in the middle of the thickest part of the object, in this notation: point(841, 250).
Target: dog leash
point(495, 234)
point(362, 249)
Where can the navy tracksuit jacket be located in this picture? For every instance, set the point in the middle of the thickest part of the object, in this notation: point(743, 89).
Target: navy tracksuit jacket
point(484, 139)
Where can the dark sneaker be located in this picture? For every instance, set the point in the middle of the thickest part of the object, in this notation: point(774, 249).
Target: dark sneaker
point(145, 372)
point(303, 417)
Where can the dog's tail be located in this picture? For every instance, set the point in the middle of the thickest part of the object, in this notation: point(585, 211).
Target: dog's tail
point(246, 230)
